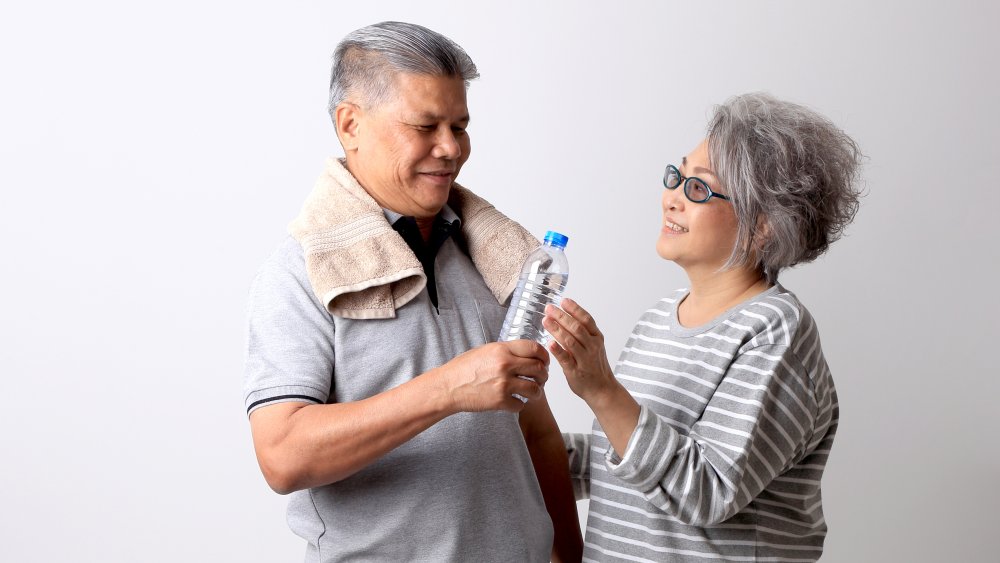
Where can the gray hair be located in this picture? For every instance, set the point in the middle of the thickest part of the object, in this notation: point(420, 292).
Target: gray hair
point(792, 176)
point(366, 61)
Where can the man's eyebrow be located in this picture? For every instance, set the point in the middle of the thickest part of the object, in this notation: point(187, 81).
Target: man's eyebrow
point(435, 117)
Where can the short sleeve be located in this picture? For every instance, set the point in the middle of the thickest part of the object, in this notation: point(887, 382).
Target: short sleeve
point(289, 355)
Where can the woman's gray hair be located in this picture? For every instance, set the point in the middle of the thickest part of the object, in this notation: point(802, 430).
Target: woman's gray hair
point(792, 177)
point(366, 61)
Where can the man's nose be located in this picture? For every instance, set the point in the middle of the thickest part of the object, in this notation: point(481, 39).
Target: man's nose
point(446, 145)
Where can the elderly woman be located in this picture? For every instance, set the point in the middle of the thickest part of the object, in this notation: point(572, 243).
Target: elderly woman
point(715, 425)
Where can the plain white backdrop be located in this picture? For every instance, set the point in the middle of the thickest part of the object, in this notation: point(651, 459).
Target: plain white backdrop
point(152, 154)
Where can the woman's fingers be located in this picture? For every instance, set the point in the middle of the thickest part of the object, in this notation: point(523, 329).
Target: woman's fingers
point(567, 323)
point(565, 359)
point(559, 330)
point(580, 315)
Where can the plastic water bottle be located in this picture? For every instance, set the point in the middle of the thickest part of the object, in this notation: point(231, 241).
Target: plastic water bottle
point(543, 279)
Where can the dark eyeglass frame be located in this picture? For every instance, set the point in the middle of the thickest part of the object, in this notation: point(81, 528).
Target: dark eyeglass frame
point(686, 180)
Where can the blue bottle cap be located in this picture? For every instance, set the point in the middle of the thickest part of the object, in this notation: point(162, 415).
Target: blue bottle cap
point(556, 239)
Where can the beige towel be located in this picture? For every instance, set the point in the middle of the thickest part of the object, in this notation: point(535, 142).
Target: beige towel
point(360, 268)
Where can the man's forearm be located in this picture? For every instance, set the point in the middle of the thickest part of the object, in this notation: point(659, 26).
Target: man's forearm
point(303, 445)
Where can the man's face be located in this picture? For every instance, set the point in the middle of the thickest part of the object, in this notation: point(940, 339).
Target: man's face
point(408, 151)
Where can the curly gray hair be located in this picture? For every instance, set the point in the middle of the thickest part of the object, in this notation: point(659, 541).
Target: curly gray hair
point(792, 176)
point(366, 60)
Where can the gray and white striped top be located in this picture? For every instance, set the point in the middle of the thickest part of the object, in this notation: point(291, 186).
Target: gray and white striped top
point(738, 417)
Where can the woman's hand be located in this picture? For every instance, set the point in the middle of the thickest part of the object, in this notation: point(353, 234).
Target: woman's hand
point(578, 346)
point(579, 349)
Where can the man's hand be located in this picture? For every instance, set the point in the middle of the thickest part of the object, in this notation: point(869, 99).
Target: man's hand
point(486, 378)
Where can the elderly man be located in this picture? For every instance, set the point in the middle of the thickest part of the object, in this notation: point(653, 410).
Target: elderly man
point(374, 392)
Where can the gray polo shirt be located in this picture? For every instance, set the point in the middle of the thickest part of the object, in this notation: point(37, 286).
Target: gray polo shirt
point(462, 490)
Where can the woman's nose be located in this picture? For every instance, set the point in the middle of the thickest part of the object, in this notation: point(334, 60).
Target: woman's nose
point(673, 199)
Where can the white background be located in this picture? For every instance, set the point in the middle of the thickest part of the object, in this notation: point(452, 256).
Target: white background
point(151, 155)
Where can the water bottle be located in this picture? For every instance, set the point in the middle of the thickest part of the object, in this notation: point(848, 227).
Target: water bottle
point(543, 279)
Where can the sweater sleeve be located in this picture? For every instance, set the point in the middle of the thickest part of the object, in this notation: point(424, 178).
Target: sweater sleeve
point(578, 451)
point(756, 425)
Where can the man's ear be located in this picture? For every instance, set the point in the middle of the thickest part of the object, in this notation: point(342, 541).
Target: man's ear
point(347, 121)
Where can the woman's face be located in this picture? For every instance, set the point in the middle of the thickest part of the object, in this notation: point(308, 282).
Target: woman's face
point(698, 237)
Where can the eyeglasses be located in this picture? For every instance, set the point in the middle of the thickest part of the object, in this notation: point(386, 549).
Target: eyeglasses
point(695, 189)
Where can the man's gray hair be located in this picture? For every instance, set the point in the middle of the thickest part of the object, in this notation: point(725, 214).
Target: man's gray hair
point(792, 177)
point(367, 60)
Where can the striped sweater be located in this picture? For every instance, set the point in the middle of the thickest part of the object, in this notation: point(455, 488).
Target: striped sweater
point(737, 420)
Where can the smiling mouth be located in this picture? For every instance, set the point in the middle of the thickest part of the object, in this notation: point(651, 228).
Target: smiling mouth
point(674, 227)
point(439, 178)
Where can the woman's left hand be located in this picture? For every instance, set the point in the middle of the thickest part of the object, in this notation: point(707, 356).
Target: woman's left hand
point(579, 349)
point(578, 346)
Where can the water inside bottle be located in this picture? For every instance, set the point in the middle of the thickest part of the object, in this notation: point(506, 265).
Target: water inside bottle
point(524, 318)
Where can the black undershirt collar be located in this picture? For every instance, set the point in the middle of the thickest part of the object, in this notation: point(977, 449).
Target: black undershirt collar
point(446, 224)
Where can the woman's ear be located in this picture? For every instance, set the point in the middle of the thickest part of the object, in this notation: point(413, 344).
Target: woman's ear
point(761, 234)
point(759, 238)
